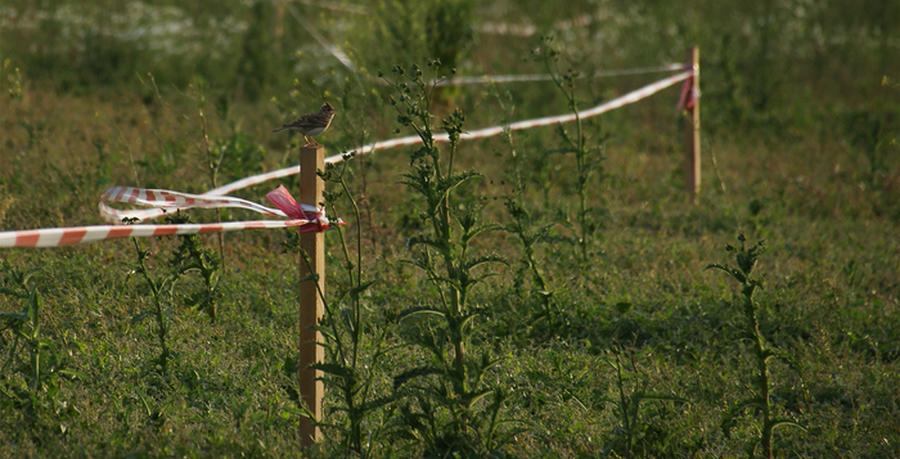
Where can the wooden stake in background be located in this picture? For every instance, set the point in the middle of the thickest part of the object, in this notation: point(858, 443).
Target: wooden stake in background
point(312, 187)
point(692, 129)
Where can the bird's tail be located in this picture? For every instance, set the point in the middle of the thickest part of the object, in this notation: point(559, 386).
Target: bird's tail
point(279, 129)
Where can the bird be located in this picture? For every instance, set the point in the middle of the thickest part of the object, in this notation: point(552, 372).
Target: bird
point(311, 124)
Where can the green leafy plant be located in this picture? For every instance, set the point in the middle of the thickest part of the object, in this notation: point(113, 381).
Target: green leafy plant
point(191, 257)
point(443, 406)
point(245, 155)
point(874, 131)
point(449, 30)
point(634, 435)
point(761, 401)
point(161, 289)
point(257, 65)
point(529, 232)
point(433, 29)
point(355, 343)
point(588, 160)
point(37, 379)
point(13, 76)
point(529, 236)
point(188, 257)
point(214, 157)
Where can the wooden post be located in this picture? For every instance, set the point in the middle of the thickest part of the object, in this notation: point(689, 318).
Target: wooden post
point(692, 129)
point(312, 158)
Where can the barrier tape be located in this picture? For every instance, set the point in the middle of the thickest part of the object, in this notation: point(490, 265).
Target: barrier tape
point(304, 217)
point(307, 218)
point(497, 28)
point(688, 98)
point(167, 201)
point(536, 77)
point(58, 237)
point(528, 30)
point(345, 60)
point(628, 98)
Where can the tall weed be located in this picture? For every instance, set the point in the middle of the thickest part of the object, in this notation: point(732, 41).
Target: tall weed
point(760, 402)
point(355, 341)
point(588, 159)
point(30, 382)
point(447, 404)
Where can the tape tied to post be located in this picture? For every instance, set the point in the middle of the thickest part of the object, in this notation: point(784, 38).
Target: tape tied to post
point(162, 202)
point(318, 221)
point(128, 223)
point(689, 95)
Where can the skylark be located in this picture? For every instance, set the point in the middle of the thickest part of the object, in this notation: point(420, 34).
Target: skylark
point(312, 124)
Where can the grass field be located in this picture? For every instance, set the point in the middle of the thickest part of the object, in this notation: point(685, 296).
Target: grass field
point(592, 331)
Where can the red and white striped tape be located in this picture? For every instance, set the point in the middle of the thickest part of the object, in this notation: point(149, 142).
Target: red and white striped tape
point(628, 98)
point(345, 60)
point(689, 95)
point(537, 77)
point(57, 237)
point(528, 30)
point(304, 217)
point(165, 201)
point(308, 218)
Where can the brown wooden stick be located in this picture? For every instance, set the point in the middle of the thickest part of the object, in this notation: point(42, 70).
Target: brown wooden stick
point(312, 187)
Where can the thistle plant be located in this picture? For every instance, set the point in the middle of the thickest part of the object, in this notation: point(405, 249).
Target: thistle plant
point(36, 379)
point(630, 397)
point(529, 236)
point(443, 398)
point(191, 256)
point(760, 401)
point(530, 232)
point(587, 159)
point(161, 288)
point(214, 157)
point(188, 257)
point(355, 344)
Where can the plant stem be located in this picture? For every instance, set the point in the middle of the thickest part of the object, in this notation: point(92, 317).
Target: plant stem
point(35, 342)
point(582, 176)
point(156, 290)
point(354, 414)
point(213, 164)
point(567, 87)
point(762, 369)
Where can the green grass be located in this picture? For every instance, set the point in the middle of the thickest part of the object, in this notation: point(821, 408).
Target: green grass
point(813, 171)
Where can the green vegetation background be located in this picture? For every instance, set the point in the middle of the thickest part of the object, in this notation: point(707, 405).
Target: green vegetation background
point(800, 116)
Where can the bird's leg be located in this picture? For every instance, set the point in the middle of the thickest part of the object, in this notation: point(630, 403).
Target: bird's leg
point(306, 139)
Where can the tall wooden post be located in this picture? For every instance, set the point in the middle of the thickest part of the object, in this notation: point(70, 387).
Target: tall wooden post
point(312, 187)
point(692, 129)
